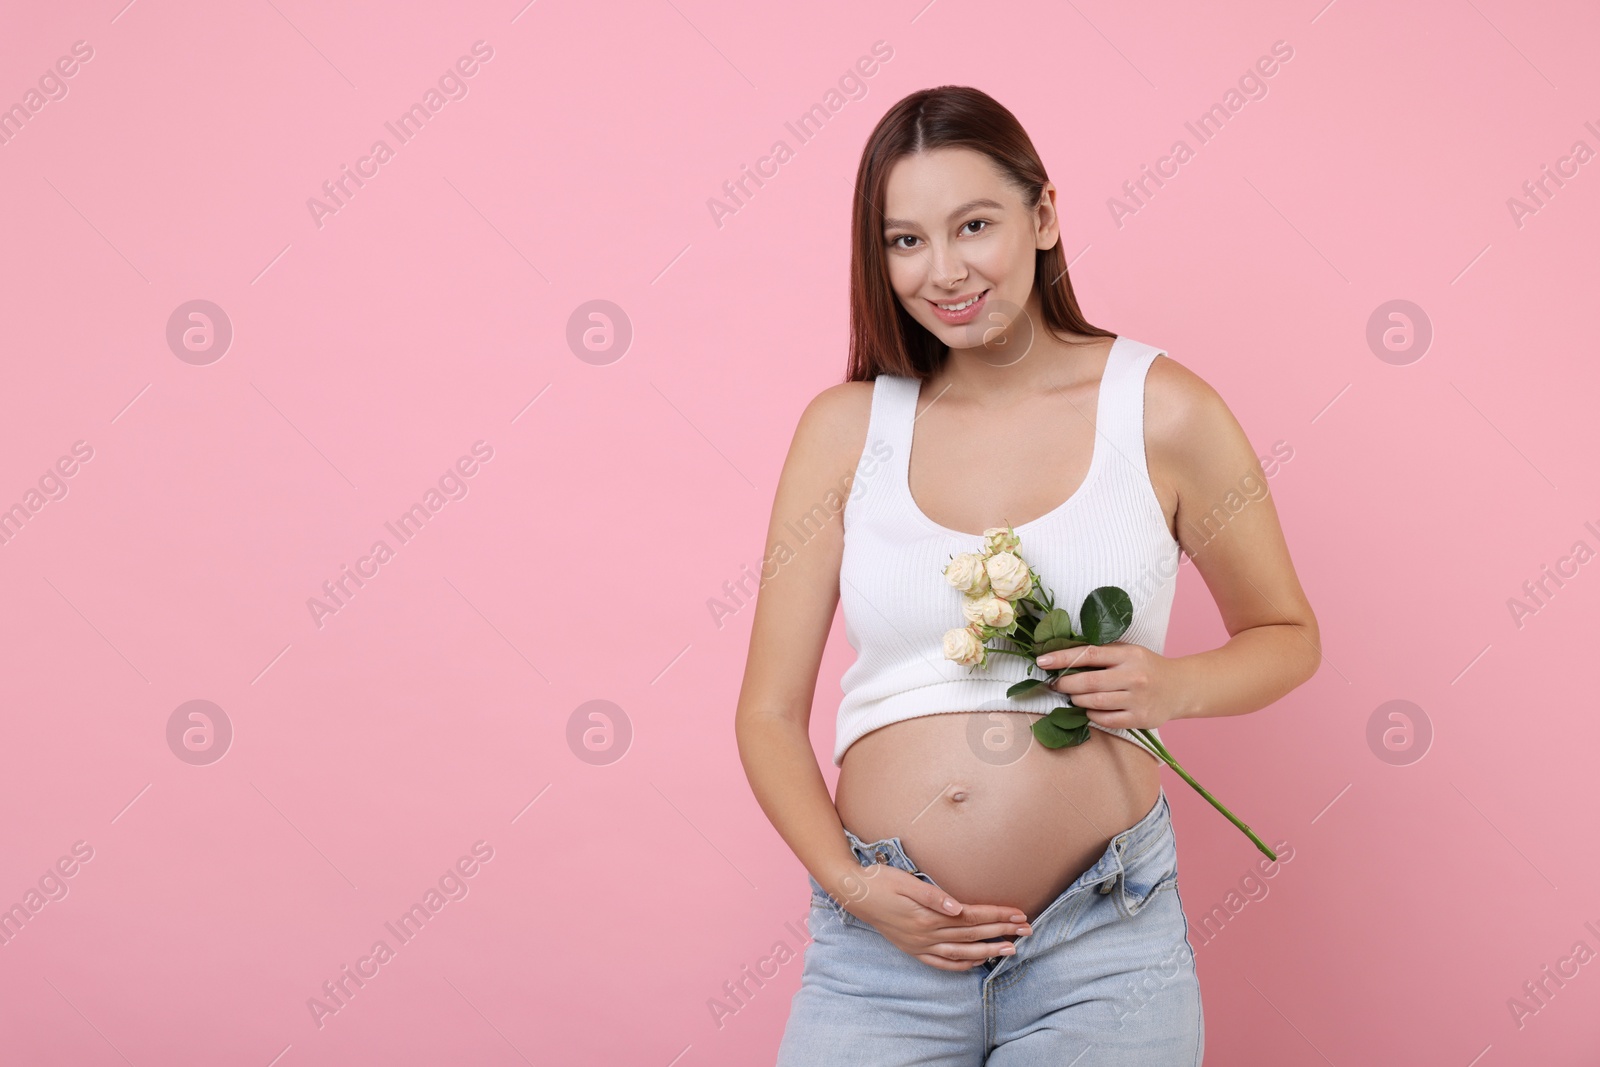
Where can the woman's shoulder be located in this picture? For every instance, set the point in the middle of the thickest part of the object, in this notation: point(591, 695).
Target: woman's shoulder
point(1181, 409)
point(1187, 424)
point(840, 408)
point(833, 426)
point(841, 399)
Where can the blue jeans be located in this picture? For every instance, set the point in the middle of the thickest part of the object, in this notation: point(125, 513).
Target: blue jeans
point(1106, 979)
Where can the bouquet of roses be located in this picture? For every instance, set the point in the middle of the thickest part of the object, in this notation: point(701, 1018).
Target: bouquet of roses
point(1003, 599)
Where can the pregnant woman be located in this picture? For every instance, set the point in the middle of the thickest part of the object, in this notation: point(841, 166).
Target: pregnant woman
point(978, 898)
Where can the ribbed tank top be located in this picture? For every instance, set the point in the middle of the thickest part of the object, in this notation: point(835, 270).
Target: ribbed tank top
point(897, 604)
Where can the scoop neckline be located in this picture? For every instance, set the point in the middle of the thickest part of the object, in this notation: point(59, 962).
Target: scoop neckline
point(1088, 478)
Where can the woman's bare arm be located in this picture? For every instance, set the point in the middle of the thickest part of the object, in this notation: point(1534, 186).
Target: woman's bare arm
point(794, 612)
point(1228, 526)
point(1207, 475)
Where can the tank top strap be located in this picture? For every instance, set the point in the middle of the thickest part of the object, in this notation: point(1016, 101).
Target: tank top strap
point(894, 410)
point(885, 460)
point(1121, 408)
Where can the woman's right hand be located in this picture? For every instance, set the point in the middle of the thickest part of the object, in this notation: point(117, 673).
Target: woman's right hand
point(917, 918)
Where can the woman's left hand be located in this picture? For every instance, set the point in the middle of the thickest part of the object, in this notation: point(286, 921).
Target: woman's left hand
point(1137, 689)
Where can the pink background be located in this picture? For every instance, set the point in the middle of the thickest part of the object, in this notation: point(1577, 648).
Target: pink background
point(432, 311)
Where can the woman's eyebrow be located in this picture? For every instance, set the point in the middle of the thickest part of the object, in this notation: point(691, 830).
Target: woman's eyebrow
point(982, 201)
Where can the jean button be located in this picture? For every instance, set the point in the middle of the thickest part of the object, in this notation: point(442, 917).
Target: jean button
point(883, 857)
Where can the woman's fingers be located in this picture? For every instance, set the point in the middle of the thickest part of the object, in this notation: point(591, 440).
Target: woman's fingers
point(1103, 700)
point(1087, 682)
point(959, 930)
point(937, 900)
point(944, 964)
point(978, 921)
point(972, 951)
point(967, 945)
point(982, 932)
point(972, 914)
point(934, 898)
point(1105, 657)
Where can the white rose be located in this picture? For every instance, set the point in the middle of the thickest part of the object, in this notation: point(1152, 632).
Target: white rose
point(963, 647)
point(966, 572)
point(1000, 539)
point(1008, 575)
point(990, 611)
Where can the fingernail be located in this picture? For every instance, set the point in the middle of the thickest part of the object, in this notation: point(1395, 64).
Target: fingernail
point(1025, 931)
point(1009, 950)
point(1019, 918)
point(952, 907)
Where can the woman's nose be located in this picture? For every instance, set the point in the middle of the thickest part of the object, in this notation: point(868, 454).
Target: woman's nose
point(946, 267)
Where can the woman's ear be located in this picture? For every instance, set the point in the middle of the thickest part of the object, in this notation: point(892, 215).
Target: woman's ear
point(1046, 223)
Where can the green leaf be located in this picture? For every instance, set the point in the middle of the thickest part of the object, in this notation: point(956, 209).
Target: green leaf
point(1054, 632)
point(1068, 717)
point(1107, 614)
point(1050, 735)
point(1023, 686)
point(1053, 624)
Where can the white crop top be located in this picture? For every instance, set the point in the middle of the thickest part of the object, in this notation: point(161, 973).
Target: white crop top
point(897, 604)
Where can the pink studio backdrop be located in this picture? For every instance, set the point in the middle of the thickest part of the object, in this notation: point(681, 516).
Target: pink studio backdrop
point(188, 485)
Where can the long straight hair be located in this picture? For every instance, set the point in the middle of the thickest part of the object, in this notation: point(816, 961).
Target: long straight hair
point(884, 339)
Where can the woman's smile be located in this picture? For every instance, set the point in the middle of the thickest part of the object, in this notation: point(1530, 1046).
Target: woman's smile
point(965, 308)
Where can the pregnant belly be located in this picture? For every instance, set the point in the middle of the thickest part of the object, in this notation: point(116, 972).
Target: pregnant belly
point(987, 826)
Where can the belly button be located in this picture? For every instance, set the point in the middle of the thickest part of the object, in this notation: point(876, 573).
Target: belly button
point(959, 795)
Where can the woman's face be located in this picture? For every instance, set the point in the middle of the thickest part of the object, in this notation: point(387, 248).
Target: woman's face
point(956, 232)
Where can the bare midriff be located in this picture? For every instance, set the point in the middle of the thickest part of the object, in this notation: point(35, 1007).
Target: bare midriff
point(991, 832)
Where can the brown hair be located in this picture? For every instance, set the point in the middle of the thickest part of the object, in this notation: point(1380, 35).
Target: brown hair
point(884, 339)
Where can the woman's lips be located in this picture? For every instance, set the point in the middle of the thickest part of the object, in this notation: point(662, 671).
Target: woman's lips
point(966, 314)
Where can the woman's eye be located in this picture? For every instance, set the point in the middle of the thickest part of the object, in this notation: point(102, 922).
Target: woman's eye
point(894, 242)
